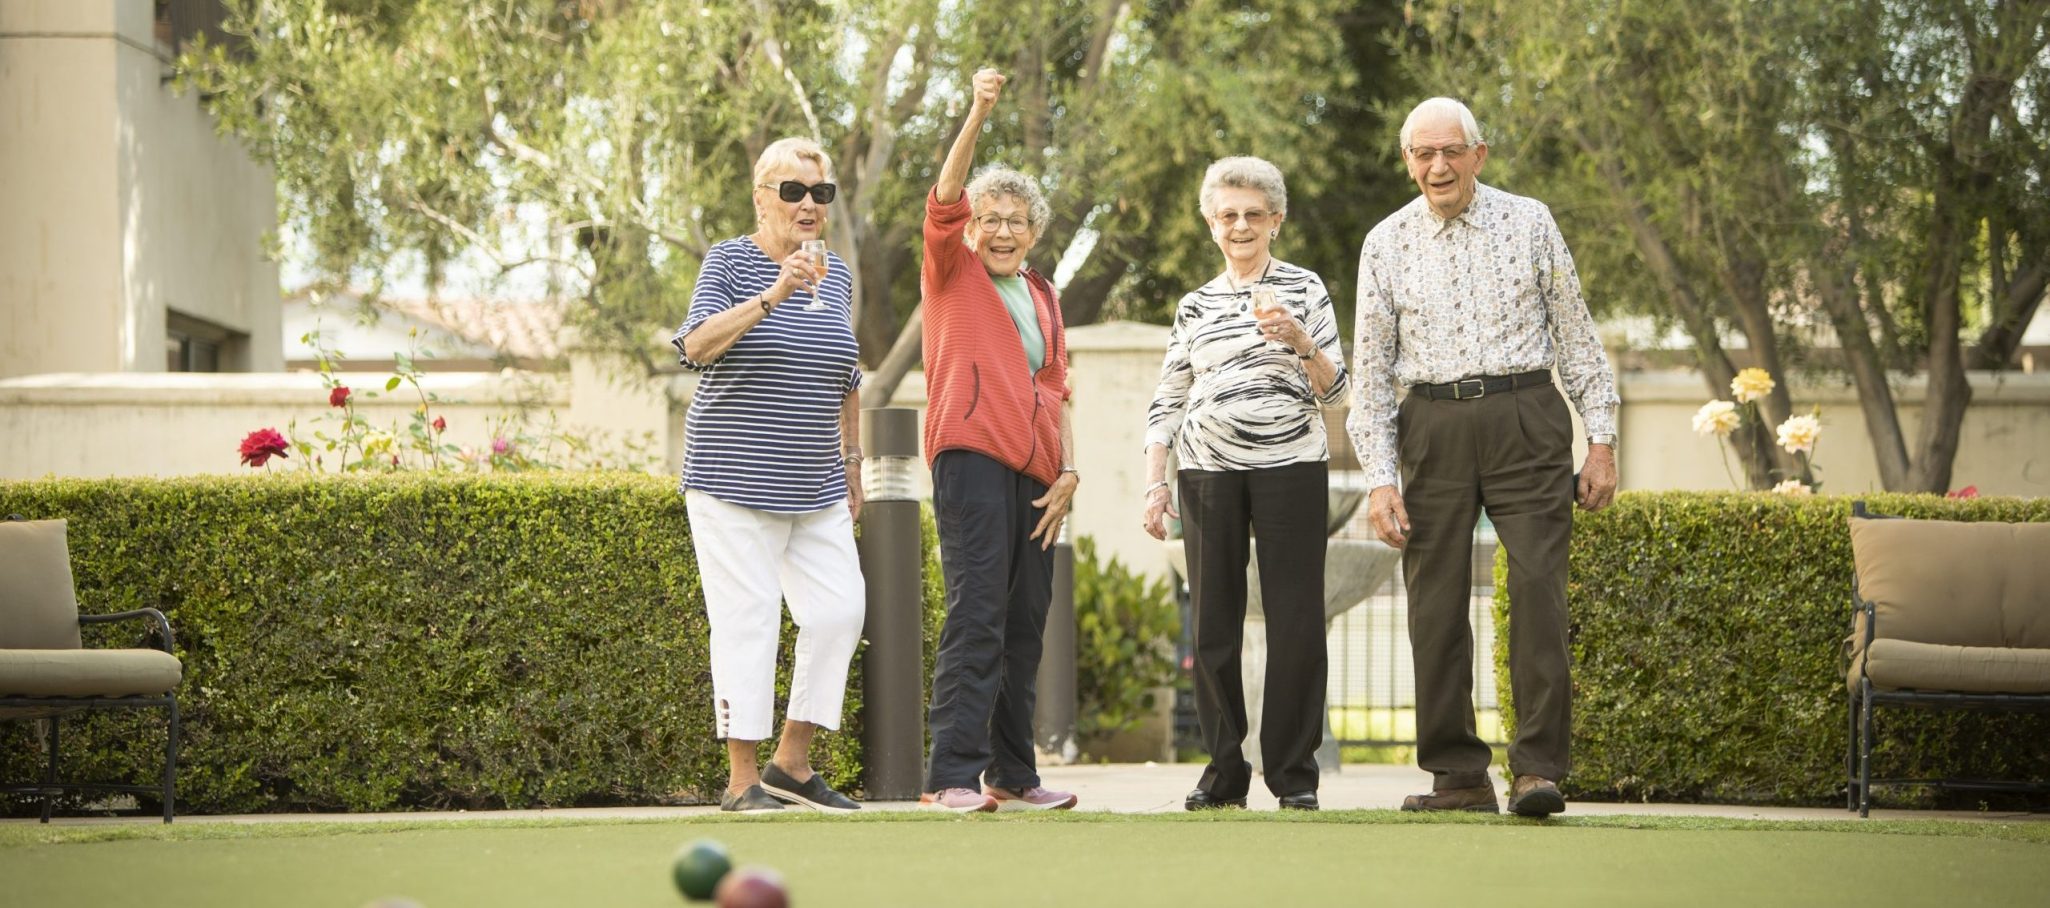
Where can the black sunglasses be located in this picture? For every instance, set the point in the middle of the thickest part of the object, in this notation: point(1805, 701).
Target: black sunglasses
point(791, 191)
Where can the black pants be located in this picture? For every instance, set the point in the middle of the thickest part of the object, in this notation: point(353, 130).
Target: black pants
point(999, 582)
point(1284, 507)
point(1512, 454)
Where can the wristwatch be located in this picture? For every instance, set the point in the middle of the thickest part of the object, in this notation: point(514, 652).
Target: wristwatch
point(1607, 438)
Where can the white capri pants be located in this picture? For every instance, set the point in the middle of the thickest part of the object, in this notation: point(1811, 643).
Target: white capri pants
point(751, 561)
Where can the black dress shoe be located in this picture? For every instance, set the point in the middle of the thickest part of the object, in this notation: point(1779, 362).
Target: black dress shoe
point(1301, 800)
point(1202, 800)
point(812, 792)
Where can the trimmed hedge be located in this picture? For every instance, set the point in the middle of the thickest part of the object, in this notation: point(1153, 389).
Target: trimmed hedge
point(411, 641)
point(1708, 665)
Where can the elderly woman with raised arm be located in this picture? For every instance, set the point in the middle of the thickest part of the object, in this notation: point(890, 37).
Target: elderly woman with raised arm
point(771, 476)
point(1252, 360)
point(997, 439)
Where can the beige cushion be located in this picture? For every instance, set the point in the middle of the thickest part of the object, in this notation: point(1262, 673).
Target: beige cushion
point(88, 673)
point(37, 607)
point(1902, 665)
point(1955, 584)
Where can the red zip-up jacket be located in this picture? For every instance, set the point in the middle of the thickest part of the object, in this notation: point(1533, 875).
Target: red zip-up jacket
point(980, 396)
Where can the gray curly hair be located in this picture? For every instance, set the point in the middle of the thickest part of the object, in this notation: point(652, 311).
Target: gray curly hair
point(1243, 172)
point(996, 180)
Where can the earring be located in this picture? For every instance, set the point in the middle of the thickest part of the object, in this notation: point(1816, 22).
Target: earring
point(1271, 234)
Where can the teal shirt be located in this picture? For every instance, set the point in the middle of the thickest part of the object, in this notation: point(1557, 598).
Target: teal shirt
point(1018, 300)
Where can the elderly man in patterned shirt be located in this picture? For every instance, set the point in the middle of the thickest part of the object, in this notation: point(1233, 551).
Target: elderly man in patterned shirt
point(1468, 298)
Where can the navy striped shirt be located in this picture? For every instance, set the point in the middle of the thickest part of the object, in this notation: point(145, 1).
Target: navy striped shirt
point(764, 426)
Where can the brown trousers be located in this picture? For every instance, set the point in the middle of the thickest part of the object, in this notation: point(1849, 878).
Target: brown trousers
point(1512, 455)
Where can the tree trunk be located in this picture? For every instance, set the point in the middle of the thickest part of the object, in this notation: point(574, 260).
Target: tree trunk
point(1751, 442)
point(881, 385)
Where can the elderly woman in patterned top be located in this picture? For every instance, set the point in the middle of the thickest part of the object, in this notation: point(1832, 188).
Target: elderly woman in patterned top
point(1253, 359)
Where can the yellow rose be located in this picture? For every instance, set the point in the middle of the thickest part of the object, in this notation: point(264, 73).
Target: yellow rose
point(1798, 434)
point(1717, 417)
point(1751, 384)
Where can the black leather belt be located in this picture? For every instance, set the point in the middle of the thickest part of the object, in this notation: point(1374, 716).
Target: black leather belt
point(1470, 388)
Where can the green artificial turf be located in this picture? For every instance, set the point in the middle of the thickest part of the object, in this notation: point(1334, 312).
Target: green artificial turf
point(897, 859)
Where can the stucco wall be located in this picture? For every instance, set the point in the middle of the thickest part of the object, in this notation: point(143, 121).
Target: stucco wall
point(121, 201)
point(113, 424)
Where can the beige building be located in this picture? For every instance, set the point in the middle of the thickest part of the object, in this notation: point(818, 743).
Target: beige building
point(133, 237)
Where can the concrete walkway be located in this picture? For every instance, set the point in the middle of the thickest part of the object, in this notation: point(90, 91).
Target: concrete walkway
point(1130, 788)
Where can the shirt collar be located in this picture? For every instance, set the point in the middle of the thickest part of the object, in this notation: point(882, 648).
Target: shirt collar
point(1473, 216)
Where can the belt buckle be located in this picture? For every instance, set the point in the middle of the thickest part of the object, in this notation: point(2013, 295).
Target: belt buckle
point(1480, 389)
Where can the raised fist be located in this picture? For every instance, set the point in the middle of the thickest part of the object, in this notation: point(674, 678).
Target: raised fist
point(988, 84)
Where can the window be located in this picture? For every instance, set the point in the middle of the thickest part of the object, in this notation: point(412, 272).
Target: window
point(196, 345)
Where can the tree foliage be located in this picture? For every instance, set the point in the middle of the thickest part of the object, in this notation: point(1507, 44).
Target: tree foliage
point(407, 131)
point(1770, 171)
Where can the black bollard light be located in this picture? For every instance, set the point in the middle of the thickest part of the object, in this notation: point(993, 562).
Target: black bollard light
point(1054, 710)
point(893, 668)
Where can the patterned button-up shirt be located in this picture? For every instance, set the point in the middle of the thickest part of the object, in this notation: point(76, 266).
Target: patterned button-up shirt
point(1491, 291)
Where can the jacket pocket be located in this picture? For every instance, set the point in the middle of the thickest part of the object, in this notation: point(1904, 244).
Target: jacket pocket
point(974, 390)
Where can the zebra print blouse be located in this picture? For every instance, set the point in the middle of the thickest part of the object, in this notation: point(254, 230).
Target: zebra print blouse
point(1228, 399)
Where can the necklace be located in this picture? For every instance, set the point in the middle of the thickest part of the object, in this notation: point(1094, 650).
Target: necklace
point(1233, 282)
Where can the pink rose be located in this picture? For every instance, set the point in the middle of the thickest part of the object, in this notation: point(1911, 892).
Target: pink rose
point(262, 445)
point(440, 424)
point(501, 446)
point(339, 397)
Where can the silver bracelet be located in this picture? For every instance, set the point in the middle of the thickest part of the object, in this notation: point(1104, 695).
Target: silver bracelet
point(1158, 485)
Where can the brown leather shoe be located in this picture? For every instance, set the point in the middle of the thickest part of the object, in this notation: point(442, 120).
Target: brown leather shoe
point(1534, 796)
point(1475, 800)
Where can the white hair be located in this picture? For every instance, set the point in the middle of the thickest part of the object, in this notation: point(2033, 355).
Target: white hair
point(1433, 107)
point(996, 179)
point(1242, 173)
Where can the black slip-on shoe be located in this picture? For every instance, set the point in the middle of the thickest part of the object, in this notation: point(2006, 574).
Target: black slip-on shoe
point(1301, 800)
point(812, 792)
point(753, 800)
point(1202, 800)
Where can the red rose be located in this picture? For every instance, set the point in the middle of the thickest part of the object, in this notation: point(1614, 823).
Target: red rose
point(1971, 491)
point(440, 424)
point(261, 446)
point(339, 397)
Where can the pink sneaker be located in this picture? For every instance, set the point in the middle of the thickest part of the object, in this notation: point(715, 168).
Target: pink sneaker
point(958, 800)
point(1034, 798)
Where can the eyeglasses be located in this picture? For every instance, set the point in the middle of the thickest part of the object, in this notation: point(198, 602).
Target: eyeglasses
point(990, 223)
point(1255, 218)
point(792, 191)
point(1425, 154)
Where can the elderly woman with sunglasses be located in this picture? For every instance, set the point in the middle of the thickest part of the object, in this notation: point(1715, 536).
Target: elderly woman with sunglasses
point(997, 440)
point(1252, 360)
point(772, 476)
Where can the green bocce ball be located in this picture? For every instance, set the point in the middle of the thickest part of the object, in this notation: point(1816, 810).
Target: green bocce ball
point(699, 867)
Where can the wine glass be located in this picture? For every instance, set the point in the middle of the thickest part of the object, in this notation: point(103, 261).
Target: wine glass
point(1265, 303)
point(816, 250)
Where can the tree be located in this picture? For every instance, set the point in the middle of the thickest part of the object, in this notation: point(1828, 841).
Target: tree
point(1762, 170)
point(404, 130)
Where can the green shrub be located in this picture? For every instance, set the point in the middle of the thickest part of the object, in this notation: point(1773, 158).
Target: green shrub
point(1707, 634)
point(1125, 625)
point(407, 641)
